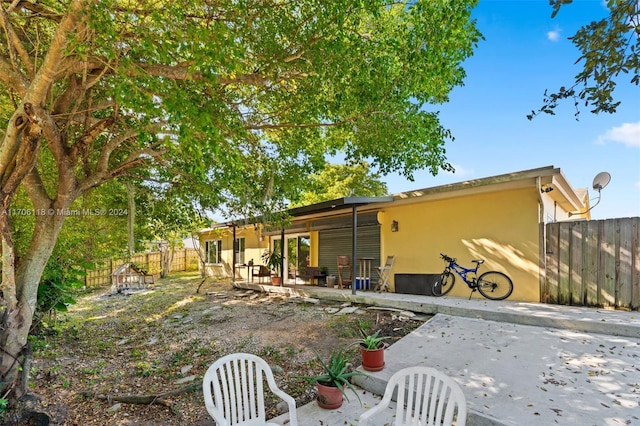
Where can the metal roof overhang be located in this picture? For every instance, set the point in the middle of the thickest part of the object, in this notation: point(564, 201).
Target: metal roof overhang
point(342, 205)
point(337, 205)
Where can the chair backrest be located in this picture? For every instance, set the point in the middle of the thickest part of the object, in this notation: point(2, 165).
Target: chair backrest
point(426, 396)
point(264, 271)
point(344, 261)
point(233, 390)
point(389, 263)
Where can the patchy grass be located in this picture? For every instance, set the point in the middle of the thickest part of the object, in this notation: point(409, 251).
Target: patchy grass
point(143, 343)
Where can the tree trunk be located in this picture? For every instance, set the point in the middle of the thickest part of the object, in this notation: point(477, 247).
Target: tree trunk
point(19, 299)
point(131, 200)
point(166, 259)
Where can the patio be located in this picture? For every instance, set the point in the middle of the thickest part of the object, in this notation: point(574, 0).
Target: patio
point(518, 363)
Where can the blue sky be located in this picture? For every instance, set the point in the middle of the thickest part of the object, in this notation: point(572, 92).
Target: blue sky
point(524, 53)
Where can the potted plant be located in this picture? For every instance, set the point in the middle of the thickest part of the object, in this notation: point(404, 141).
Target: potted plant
point(273, 261)
point(372, 349)
point(331, 384)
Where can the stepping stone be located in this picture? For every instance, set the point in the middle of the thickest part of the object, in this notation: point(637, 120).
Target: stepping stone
point(186, 379)
point(347, 310)
point(114, 408)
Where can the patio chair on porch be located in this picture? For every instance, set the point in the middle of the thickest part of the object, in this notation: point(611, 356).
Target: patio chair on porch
point(425, 396)
point(233, 388)
point(263, 271)
point(384, 273)
point(345, 272)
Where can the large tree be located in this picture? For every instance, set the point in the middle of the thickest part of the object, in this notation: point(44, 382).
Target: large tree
point(342, 180)
point(609, 51)
point(231, 101)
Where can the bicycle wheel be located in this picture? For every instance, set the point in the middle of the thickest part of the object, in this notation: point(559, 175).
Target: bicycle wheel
point(495, 285)
point(444, 284)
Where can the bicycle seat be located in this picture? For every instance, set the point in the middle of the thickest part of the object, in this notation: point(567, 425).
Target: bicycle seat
point(479, 262)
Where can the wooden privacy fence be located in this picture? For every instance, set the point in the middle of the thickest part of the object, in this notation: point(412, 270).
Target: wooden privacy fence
point(593, 263)
point(183, 260)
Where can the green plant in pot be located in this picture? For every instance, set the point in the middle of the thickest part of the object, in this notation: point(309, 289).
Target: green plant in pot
point(372, 348)
point(331, 384)
point(273, 261)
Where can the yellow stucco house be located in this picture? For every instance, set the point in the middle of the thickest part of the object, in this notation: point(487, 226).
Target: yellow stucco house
point(499, 219)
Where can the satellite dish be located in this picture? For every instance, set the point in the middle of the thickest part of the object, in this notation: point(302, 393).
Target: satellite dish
point(601, 180)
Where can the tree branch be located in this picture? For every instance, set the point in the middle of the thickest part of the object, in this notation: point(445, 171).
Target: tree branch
point(13, 79)
point(36, 190)
point(26, 156)
point(76, 14)
point(53, 137)
point(142, 399)
point(80, 147)
point(103, 172)
point(14, 44)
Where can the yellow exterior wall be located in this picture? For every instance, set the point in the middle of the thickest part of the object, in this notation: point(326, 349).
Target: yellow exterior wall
point(500, 227)
point(254, 248)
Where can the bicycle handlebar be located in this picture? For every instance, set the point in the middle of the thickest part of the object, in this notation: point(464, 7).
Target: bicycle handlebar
point(447, 258)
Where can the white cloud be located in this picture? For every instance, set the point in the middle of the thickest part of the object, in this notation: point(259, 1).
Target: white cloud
point(553, 35)
point(627, 133)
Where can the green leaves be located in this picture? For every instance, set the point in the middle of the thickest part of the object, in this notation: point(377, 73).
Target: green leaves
point(340, 180)
point(608, 52)
point(226, 106)
point(371, 341)
point(336, 372)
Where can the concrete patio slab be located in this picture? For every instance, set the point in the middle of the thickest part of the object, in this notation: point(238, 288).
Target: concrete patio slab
point(521, 375)
point(520, 364)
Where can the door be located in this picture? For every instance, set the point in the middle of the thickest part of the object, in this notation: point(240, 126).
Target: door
point(296, 255)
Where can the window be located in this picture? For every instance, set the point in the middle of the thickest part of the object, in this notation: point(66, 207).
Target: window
point(239, 247)
point(213, 251)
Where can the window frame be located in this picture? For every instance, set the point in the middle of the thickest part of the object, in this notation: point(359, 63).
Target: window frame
point(240, 250)
point(217, 244)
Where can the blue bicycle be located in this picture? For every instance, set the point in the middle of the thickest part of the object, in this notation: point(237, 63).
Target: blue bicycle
point(493, 285)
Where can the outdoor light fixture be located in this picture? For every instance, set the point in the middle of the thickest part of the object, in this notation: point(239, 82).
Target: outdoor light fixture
point(394, 226)
point(599, 182)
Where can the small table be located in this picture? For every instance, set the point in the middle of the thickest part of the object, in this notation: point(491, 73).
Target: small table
point(244, 265)
point(364, 272)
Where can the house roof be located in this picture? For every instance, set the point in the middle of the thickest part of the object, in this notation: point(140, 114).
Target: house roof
point(549, 177)
point(508, 178)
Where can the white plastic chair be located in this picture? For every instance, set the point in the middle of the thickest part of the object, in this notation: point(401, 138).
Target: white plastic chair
point(425, 397)
point(233, 391)
point(384, 272)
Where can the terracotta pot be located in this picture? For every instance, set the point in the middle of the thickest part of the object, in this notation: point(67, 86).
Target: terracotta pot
point(276, 280)
point(372, 359)
point(329, 397)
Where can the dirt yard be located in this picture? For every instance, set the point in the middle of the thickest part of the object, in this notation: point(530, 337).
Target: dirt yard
point(112, 348)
